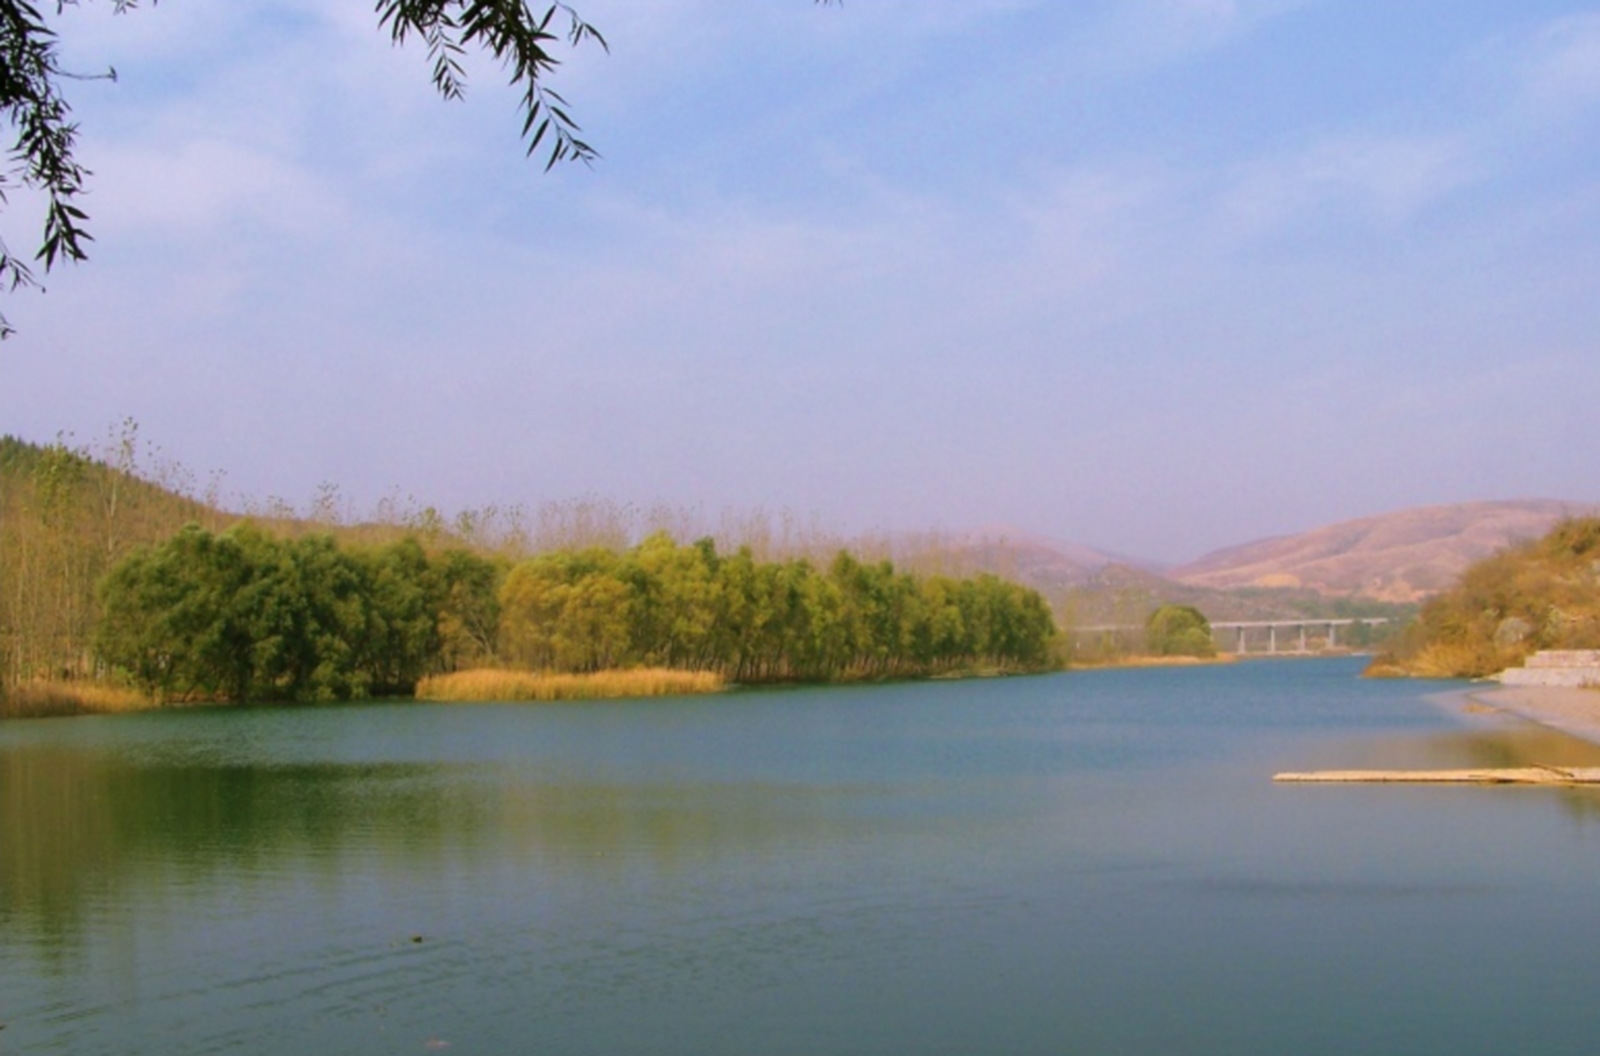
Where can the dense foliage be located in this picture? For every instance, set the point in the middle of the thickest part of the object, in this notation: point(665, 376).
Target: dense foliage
point(1543, 594)
point(669, 605)
point(245, 616)
point(1178, 630)
point(328, 618)
point(242, 615)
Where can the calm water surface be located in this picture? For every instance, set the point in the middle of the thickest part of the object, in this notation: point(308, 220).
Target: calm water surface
point(1083, 863)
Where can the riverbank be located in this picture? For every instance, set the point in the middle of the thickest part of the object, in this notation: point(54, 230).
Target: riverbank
point(39, 700)
point(1572, 711)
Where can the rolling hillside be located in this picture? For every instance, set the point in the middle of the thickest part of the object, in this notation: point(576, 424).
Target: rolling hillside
point(1397, 557)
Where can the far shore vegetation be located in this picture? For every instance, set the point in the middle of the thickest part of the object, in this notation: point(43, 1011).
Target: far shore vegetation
point(125, 584)
point(122, 588)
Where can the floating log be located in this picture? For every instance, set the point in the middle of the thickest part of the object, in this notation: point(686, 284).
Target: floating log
point(1524, 775)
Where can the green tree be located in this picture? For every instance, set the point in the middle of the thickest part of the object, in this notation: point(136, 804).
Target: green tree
point(675, 600)
point(403, 607)
point(170, 619)
point(243, 616)
point(466, 587)
point(567, 612)
point(941, 638)
point(1179, 630)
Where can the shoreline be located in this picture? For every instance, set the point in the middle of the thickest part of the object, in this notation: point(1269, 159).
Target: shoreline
point(1575, 712)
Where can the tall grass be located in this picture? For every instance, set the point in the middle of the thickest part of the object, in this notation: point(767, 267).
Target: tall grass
point(489, 684)
point(1459, 660)
point(45, 699)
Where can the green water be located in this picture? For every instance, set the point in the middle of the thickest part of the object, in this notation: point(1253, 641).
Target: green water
point(1082, 863)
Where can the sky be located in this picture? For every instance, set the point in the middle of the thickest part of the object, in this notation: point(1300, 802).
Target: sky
point(1158, 276)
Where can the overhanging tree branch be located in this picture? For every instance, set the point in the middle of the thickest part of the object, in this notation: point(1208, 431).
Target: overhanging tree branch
point(516, 36)
point(41, 157)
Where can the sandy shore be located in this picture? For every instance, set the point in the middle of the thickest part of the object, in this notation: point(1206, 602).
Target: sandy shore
point(1572, 711)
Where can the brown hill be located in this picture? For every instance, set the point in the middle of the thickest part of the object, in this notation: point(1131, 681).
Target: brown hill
point(1047, 564)
point(1090, 587)
point(1398, 557)
point(1124, 596)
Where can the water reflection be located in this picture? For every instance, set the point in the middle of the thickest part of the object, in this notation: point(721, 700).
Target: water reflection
point(78, 825)
point(75, 823)
point(1493, 741)
point(1082, 864)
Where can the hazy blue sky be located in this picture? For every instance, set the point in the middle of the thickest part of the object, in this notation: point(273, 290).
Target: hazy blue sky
point(1155, 275)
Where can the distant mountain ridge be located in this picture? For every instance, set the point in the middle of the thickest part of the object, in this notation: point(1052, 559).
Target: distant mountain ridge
point(1396, 558)
point(1035, 559)
point(1399, 557)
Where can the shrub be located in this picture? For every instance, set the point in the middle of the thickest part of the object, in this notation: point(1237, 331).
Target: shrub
point(1179, 630)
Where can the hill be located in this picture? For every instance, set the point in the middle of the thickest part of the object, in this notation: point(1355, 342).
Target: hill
point(1396, 557)
point(1123, 595)
point(66, 517)
point(1043, 563)
point(1542, 594)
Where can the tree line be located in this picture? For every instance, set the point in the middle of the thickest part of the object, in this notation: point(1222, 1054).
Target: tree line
point(665, 604)
point(245, 616)
point(768, 601)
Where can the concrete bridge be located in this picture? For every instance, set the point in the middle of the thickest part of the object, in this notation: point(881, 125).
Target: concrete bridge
point(1296, 629)
point(1263, 635)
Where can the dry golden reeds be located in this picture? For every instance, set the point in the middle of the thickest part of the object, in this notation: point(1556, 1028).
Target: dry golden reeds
point(492, 684)
point(1452, 660)
point(45, 699)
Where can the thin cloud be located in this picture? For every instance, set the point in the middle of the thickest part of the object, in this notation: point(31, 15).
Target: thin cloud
point(1387, 179)
point(1562, 72)
point(206, 187)
point(1136, 36)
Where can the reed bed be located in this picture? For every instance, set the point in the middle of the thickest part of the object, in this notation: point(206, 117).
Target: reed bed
point(1452, 660)
point(492, 684)
point(48, 699)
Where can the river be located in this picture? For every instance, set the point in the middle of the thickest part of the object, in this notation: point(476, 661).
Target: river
point(1090, 862)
